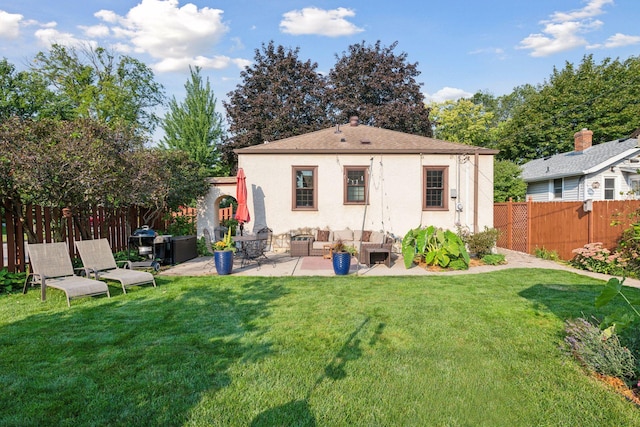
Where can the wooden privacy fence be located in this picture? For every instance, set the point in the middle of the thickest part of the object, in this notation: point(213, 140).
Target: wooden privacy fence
point(114, 225)
point(562, 226)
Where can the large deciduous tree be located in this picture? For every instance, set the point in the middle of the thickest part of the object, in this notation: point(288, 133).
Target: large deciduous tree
point(380, 87)
point(25, 94)
point(280, 96)
point(602, 97)
point(118, 90)
point(194, 126)
point(507, 182)
point(463, 121)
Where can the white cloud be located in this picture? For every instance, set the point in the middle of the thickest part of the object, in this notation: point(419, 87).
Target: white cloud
point(50, 35)
point(312, 20)
point(617, 40)
point(175, 36)
point(593, 8)
point(95, 31)
point(9, 25)
point(446, 94)
point(565, 30)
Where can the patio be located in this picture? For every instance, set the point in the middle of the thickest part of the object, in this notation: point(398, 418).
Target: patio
point(286, 265)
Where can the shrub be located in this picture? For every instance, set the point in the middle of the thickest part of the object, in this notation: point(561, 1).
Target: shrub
point(598, 350)
point(482, 242)
point(434, 246)
point(593, 257)
point(494, 259)
point(547, 254)
point(182, 225)
point(10, 282)
point(629, 249)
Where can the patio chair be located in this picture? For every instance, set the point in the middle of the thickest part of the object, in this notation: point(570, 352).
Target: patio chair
point(209, 246)
point(51, 267)
point(97, 257)
point(254, 250)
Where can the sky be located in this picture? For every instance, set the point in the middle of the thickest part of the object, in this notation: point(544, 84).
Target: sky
point(461, 47)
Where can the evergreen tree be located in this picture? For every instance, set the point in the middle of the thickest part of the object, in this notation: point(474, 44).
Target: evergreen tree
point(194, 126)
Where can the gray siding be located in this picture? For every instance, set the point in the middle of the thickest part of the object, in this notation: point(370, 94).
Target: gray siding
point(538, 191)
point(571, 188)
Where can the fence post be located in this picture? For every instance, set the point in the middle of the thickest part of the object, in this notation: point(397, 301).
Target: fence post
point(528, 239)
point(510, 224)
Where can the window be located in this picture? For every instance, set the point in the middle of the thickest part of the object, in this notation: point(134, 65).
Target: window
point(435, 180)
point(635, 187)
point(356, 181)
point(557, 188)
point(609, 188)
point(305, 188)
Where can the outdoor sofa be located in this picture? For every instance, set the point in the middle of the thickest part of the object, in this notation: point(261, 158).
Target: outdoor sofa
point(357, 238)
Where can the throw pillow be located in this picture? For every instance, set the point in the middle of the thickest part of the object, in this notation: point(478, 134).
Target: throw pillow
point(366, 235)
point(322, 236)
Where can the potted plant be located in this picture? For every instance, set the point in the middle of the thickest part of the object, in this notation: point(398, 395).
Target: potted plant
point(341, 257)
point(223, 254)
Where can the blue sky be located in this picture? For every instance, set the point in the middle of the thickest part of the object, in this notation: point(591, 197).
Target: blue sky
point(460, 46)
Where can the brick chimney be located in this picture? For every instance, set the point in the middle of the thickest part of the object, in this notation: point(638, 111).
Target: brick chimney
point(353, 121)
point(582, 139)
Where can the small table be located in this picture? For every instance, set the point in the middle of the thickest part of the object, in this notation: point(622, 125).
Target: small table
point(300, 247)
point(327, 251)
point(377, 256)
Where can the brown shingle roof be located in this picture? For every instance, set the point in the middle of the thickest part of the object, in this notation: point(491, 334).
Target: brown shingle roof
point(361, 139)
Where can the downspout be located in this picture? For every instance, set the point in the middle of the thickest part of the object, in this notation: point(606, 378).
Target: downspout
point(476, 173)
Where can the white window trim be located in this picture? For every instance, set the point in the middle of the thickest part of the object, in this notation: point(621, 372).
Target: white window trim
point(604, 186)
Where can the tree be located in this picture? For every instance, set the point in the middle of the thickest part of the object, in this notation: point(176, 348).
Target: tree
point(462, 121)
point(280, 96)
point(82, 163)
point(101, 86)
point(25, 94)
point(378, 86)
point(507, 182)
point(194, 126)
point(602, 97)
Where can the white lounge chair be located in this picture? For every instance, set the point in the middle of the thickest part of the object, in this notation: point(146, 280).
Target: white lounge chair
point(51, 267)
point(97, 257)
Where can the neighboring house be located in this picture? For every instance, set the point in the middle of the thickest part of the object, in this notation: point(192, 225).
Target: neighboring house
point(607, 171)
point(324, 179)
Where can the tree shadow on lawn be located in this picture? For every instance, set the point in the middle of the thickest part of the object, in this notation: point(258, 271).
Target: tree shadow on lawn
point(145, 359)
point(570, 301)
point(298, 412)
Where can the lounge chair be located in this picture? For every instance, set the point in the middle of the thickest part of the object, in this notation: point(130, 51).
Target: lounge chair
point(51, 267)
point(97, 257)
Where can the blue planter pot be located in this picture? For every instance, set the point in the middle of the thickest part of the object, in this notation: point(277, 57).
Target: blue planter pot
point(223, 261)
point(341, 263)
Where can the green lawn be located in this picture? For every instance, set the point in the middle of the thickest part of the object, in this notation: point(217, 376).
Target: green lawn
point(472, 350)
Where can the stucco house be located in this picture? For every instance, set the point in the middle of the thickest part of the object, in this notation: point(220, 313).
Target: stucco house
point(363, 178)
point(606, 171)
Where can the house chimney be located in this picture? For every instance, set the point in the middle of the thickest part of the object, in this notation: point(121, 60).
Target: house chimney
point(582, 139)
point(353, 121)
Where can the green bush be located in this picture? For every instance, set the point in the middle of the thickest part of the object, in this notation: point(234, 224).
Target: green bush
point(10, 282)
point(549, 255)
point(433, 246)
point(482, 242)
point(593, 257)
point(629, 249)
point(598, 350)
point(494, 259)
point(184, 225)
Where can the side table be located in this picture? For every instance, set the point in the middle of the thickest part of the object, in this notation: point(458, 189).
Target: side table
point(377, 256)
point(300, 247)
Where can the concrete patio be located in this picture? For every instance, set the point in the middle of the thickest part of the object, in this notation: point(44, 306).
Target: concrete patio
point(283, 264)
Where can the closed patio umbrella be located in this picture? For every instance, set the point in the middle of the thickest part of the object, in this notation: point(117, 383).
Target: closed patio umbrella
point(242, 213)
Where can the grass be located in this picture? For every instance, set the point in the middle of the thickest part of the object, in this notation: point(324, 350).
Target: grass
point(481, 350)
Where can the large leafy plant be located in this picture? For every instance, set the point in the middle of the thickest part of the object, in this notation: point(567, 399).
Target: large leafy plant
point(433, 246)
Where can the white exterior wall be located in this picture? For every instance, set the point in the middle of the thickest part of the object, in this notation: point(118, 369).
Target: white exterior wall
point(395, 197)
point(207, 208)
